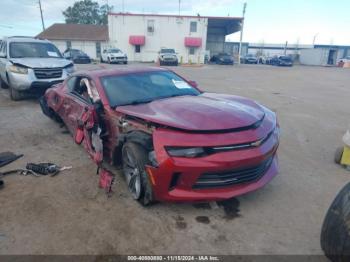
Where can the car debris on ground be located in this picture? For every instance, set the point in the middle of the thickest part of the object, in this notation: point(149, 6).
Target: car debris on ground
point(7, 158)
point(36, 170)
point(342, 154)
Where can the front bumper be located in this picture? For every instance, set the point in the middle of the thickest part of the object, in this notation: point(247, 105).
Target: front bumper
point(26, 82)
point(225, 62)
point(175, 177)
point(169, 62)
point(116, 59)
point(82, 61)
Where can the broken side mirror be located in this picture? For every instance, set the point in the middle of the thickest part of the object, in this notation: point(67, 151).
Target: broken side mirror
point(193, 83)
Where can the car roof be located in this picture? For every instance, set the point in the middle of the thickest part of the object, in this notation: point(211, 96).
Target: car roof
point(25, 39)
point(101, 72)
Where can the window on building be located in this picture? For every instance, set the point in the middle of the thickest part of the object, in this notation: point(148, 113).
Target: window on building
point(192, 50)
point(150, 26)
point(193, 27)
point(69, 44)
point(98, 49)
point(137, 49)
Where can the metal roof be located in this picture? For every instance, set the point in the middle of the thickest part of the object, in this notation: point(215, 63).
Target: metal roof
point(75, 32)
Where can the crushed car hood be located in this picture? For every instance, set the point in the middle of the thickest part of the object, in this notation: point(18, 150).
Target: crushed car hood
point(206, 112)
point(41, 62)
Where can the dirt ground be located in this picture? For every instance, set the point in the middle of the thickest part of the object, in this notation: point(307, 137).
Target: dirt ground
point(69, 214)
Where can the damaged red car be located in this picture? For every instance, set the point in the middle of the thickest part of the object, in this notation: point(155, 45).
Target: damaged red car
point(173, 141)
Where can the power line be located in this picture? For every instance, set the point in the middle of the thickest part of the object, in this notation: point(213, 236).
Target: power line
point(241, 37)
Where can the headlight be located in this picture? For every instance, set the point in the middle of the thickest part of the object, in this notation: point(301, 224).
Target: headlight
point(18, 69)
point(70, 69)
point(185, 151)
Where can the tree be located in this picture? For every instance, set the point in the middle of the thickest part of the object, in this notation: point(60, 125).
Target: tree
point(87, 12)
point(104, 10)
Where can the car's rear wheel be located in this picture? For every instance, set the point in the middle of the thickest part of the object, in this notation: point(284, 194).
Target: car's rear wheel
point(135, 158)
point(125, 62)
point(335, 235)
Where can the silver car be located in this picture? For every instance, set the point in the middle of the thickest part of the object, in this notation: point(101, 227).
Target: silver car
point(167, 56)
point(31, 65)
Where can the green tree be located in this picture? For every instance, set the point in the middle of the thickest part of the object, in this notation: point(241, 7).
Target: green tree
point(87, 12)
point(103, 13)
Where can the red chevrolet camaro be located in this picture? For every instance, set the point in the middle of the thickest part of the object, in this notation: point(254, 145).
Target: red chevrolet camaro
point(173, 141)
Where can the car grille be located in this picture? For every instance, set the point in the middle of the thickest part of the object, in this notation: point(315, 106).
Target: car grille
point(233, 177)
point(47, 73)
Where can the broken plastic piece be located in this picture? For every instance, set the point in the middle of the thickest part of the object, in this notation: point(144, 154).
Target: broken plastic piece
point(7, 158)
point(106, 180)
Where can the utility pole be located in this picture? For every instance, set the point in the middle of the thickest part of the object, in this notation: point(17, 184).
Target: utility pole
point(41, 13)
point(241, 37)
point(314, 40)
point(179, 7)
point(285, 48)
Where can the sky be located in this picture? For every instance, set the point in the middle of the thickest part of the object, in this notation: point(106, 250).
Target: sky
point(266, 21)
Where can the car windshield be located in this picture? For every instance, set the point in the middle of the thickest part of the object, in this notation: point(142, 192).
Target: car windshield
point(33, 49)
point(145, 87)
point(168, 51)
point(77, 52)
point(115, 50)
point(286, 58)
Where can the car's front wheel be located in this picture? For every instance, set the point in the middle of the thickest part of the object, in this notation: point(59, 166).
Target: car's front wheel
point(135, 158)
point(335, 235)
point(3, 85)
point(16, 95)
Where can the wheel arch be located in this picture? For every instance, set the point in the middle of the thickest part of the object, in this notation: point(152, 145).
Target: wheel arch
point(136, 136)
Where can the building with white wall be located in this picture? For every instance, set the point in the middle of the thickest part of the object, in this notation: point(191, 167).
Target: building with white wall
point(141, 36)
point(91, 39)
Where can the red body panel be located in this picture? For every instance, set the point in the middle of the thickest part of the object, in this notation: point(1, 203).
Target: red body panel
point(204, 112)
point(208, 120)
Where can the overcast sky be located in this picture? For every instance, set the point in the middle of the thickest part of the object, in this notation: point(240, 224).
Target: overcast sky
point(268, 21)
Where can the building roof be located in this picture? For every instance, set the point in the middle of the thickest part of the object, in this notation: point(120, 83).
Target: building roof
point(75, 32)
point(185, 16)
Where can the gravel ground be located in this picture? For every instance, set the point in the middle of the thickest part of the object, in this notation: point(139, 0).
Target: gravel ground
point(69, 214)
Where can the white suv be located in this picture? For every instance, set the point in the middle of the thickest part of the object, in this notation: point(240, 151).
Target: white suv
point(29, 64)
point(114, 55)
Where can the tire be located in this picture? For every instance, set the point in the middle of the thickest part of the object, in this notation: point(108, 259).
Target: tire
point(16, 95)
point(338, 155)
point(335, 234)
point(125, 63)
point(3, 85)
point(136, 157)
point(101, 60)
